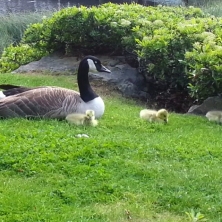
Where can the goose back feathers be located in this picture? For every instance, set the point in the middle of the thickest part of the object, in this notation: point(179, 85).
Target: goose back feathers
point(55, 102)
point(10, 90)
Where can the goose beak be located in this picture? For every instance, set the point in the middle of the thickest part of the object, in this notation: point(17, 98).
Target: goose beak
point(104, 69)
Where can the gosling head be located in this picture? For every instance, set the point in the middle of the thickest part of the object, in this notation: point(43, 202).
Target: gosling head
point(90, 114)
point(163, 115)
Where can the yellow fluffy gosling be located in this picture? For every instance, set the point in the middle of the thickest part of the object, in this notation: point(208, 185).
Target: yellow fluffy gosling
point(154, 116)
point(83, 119)
point(215, 116)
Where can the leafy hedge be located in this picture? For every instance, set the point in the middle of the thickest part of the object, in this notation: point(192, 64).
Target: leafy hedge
point(182, 56)
point(204, 61)
point(13, 57)
point(177, 49)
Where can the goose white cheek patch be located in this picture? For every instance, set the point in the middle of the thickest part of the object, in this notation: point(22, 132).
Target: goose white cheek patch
point(2, 95)
point(92, 67)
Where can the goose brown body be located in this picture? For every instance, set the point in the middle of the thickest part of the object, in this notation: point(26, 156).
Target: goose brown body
point(52, 102)
point(55, 102)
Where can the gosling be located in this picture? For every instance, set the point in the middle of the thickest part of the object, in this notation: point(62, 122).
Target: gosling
point(154, 116)
point(215, 116)
point(83, 119)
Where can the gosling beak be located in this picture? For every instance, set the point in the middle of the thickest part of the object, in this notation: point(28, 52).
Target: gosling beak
point(104, 69)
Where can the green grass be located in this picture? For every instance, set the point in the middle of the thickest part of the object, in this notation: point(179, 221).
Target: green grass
point(213, 7)
point(12, 26)
point(156, 172)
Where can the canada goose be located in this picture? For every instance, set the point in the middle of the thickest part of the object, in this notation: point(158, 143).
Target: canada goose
point(83, 119)
point(215, 116)
point(56, 102)
point(154, 116)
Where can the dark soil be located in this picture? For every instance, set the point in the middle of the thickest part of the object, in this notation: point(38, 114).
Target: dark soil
point(174, 102)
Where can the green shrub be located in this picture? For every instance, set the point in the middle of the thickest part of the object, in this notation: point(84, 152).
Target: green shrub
point(180, 56)
point(204, 62)
point(161, 44)
point(161, 41)
point(13, 57)
point(92, 30)
point(97, 29)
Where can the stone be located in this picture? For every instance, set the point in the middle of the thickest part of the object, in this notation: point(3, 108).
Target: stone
point(126, 78)
point(211, 103)
point(53, 64)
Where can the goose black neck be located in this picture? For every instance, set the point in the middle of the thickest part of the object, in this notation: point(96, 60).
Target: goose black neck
point(86, 92)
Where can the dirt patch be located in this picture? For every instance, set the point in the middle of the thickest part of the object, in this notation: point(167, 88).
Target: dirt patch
point(105, 89)
point(110, 90)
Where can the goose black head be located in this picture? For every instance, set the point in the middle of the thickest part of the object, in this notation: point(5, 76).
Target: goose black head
point(88, 64)
point(94, 64)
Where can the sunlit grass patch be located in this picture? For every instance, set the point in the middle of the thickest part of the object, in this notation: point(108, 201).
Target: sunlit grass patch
point(127, 168)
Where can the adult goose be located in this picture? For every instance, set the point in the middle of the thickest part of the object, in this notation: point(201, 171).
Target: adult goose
point(54, 102)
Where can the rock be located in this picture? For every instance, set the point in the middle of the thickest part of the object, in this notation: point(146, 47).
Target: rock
point(211, 103)
point(126, 78)
point(53, 64)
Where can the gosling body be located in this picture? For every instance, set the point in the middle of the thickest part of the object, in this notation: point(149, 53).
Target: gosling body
point(154, 115)
point(83, 119)
point(214, 116)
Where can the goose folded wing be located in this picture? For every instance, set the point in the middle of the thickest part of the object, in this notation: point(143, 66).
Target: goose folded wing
point(9, 86)
point(10, 90)
point(46, 102)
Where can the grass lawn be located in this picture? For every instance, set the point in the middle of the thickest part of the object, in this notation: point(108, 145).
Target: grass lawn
point(127, 170)
point(13, 25)
point(213, 7)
